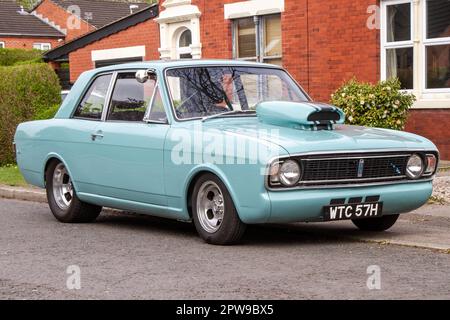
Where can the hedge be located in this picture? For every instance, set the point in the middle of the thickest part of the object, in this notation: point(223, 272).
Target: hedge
point(10, 57)
point(382, 105)
point(27, 92)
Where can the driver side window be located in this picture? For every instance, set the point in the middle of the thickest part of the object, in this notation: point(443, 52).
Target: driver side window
point(130, 98)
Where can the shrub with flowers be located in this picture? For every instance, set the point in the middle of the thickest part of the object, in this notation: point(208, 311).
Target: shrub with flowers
point(382, 105)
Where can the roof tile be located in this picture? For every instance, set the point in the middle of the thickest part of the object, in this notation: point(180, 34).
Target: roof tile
point(101, 12)
point(14, 22)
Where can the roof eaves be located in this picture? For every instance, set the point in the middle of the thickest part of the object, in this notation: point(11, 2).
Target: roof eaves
point(103, 32)
point(37, 35)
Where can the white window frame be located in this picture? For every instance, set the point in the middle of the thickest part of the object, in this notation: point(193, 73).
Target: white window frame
point(183, 50)
point(385, 45)
point(260, 29)
point(424, 44)
point(2, 45)
point(118, 53)
point(426, 98)
point(41, 46)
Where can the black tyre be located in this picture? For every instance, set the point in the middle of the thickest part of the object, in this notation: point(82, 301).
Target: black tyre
point(376, 224)
point(215, 216)
point(62, 198)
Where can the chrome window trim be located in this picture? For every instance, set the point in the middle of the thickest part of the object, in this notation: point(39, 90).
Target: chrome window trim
point(250, 65)
point(408, 151)
point(109, 96)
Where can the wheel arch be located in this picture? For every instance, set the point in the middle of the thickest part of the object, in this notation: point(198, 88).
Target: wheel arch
point(56, 157)
point(195, 174)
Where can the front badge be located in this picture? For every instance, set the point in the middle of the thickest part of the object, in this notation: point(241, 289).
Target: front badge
point(360, 168)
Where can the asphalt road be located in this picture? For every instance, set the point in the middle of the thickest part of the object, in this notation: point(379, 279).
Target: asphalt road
point(136, 257)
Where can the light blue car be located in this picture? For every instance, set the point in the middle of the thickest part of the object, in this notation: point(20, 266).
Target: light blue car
point(222, 143)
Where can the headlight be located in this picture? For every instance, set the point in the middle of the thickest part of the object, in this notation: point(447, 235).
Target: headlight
point(431, 164)
point(289, 173)
point(414, 167)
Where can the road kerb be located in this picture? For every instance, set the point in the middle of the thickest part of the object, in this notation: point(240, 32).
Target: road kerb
point(25, 194)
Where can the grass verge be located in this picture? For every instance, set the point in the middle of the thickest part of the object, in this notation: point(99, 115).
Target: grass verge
point(11, 176)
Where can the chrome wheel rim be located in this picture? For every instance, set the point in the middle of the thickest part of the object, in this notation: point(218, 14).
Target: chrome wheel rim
point(62, 187)
point(210, 207)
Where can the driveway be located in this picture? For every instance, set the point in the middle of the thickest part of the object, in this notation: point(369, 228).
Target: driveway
point(137, 257)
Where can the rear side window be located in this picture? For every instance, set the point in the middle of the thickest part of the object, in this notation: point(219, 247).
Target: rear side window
point(93, 103)
point(130, 98)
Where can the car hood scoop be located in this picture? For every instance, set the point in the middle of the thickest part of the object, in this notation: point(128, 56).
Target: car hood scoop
point(300, 115)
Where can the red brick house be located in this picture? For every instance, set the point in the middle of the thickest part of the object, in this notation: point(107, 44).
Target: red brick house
point(78, 17)
point(321, 43)
point(22, 30)
point(52, 23)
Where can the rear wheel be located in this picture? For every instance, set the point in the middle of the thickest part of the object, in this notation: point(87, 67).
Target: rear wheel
point(215, 216)
point(62, 198)
point(376, 224)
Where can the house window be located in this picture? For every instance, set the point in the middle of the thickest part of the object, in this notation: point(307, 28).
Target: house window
point(415, 45)
point(184, 45)
point(258, 39)
point(398, 46)
point(42, 46)
point(2, 45)
point(437, 44)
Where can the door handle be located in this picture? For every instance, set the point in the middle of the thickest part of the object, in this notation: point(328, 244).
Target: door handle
point(97, 135)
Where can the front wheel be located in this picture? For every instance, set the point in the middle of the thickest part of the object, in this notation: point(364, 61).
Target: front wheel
point(376, 224)
point(215, 216)
point(62, 198)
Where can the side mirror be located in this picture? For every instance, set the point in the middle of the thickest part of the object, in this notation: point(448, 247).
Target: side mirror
point(142, 76)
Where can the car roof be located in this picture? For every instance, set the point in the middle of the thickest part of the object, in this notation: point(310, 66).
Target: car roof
point(164, 64)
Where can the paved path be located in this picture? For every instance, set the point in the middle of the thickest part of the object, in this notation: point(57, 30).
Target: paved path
point(136, 257)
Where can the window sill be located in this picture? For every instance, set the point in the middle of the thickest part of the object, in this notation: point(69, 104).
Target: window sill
point(432, 103)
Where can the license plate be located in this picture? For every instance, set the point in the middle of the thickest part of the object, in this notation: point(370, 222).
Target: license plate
point(353, 211)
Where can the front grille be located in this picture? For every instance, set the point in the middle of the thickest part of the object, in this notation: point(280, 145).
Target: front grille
point(354, 168)
point(351, 169)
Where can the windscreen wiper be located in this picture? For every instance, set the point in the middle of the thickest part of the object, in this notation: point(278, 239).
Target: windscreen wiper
point(228, 113)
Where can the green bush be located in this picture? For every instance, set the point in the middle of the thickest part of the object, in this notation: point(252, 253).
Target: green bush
point(33, 61)
point(48, 113)
point(382, 105)
point(9, 57)
point(27, 92)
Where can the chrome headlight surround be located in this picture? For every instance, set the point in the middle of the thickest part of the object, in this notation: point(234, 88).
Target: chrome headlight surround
point(431, 163)
point(415, 167)
point(287, 173)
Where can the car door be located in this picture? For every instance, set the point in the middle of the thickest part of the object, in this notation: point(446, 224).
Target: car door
point(129, 150)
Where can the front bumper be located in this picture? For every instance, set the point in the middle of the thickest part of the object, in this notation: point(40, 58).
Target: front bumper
point(307, 205)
